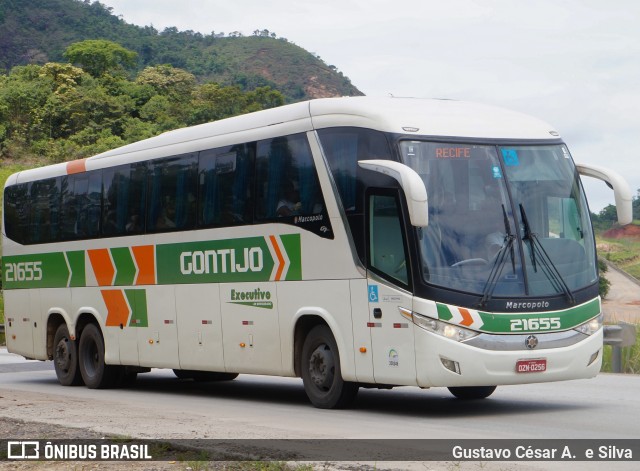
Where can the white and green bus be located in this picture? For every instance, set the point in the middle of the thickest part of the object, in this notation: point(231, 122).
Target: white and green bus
point(353, 242)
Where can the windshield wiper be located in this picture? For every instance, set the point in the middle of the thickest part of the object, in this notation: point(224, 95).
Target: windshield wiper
point(548, 267)
point(498, 263)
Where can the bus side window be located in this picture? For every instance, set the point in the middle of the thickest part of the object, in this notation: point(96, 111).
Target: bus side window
point(81, 206)
point(16, 212)
point(387, 253)
point(44, 222)
point(172, 195)
point(287, 179)
point(226, 186)
point(123, 200)
point(343, 148)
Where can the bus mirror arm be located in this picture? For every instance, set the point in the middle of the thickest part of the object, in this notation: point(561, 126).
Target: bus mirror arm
point(621, 191)
point(411, 184)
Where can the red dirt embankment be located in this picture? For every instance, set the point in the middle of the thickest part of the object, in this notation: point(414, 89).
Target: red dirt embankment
point(631, 231)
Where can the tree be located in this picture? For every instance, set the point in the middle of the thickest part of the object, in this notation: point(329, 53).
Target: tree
point(64, 76)
point(212, 102)
point(264, 98)
point(98, 56)
point(174, 83)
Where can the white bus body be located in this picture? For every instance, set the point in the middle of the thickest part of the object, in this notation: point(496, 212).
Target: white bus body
point(341, 240)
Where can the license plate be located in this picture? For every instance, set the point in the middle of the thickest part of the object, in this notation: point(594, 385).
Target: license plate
point(537, 365)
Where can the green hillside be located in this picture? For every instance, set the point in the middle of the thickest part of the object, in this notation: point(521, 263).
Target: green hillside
point(39, 31)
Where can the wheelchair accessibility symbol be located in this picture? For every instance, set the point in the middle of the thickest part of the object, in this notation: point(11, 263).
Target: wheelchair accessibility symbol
point(373, 294)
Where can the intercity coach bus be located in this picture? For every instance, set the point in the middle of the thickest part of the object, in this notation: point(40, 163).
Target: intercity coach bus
point(353, 242)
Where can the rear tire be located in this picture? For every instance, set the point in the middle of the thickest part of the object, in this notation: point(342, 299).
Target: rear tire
point(95, 373)
point(472, 392)
point(321, 373)
point(65, 358)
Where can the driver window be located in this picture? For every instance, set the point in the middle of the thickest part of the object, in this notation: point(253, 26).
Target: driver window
point(387, 252)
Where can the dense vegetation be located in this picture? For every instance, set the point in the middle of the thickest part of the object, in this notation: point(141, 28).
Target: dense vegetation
point(61, 111)
point(39, 31)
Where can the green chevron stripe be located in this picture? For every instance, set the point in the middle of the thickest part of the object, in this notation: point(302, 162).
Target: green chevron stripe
point(292, 247)
point(137, 299)
point(125, 267)
point(77, 264)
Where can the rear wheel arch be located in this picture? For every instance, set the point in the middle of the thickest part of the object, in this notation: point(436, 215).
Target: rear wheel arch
point(54, 321)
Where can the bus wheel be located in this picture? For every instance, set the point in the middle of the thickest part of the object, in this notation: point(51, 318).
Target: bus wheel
point(472, 392)
point(205, 375)
point(65, 358)
point(321, 374)
point(95, 373)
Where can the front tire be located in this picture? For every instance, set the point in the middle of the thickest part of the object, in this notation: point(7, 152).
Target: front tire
point(472, 392)
point(95, 373)
point(321, 373)
point(65, 358)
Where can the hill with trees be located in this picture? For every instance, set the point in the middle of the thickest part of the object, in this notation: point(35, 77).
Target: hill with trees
point(39, 31)
point(76, 80)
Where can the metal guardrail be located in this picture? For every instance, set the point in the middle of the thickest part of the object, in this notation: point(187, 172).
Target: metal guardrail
point(622, 334)
point(618, 336)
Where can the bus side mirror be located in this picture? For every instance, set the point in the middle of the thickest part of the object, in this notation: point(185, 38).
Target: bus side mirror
point(411, 184)
point(621, 191)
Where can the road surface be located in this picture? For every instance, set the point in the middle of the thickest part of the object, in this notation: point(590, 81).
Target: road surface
point(161, 406)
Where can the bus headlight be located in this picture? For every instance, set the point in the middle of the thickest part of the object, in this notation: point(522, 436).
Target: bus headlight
point(592, 326)
point(450, 331)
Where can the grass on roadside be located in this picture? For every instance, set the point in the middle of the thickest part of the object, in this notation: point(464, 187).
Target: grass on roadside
point(624, 253)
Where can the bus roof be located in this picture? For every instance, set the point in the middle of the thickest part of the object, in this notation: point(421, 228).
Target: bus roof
point(409, 116)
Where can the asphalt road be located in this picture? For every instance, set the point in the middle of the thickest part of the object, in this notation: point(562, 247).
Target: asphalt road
point(161, 406)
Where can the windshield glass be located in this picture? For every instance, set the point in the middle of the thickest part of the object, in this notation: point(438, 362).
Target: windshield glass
point(477, 241)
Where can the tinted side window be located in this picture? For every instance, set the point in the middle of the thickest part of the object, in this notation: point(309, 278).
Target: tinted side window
point(172, 193)
point(44, 211)
point(343, 148)
point(16, 212)
point(81, 206)
point(123, 200)
point(287, 179)
point(387, 253)
point(226, 185)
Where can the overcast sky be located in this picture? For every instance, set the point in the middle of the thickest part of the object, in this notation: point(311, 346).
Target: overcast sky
point(572, 63)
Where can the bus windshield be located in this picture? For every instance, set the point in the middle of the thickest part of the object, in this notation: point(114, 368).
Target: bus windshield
point(503, 220)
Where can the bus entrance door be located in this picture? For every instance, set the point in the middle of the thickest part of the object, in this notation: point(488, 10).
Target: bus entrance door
point(391, 335)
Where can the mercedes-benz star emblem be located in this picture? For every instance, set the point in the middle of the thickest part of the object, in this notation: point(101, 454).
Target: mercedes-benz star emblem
point(531, 342)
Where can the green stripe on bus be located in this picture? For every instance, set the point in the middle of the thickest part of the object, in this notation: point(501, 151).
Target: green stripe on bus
point(48, 270)
point(76, 261)
point(125, 268)
point(291, 244)
point(517, 322)
point(568, 319)
point(444, 314)
point(248, 259)
point(137, 299)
